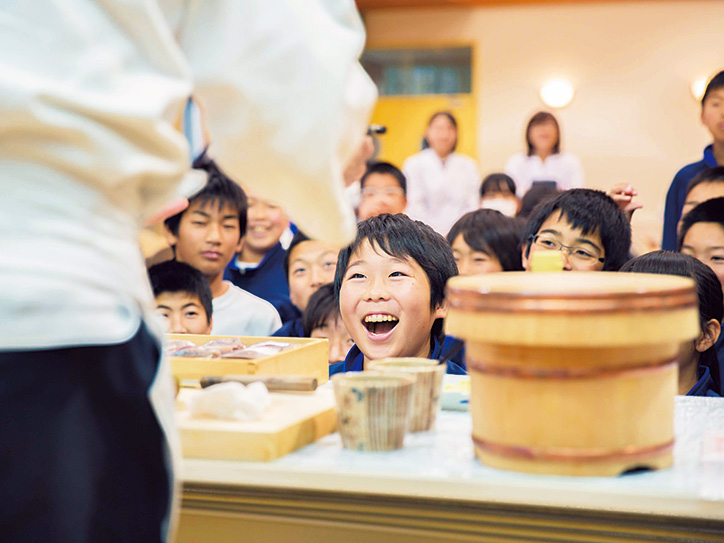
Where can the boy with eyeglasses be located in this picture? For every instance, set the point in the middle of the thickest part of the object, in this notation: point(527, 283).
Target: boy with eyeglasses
point(586, 226)
point(384, 190)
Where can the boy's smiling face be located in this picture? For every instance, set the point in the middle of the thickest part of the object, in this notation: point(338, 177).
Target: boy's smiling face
point(385, 304)
point(265, 224)
point(557, 230)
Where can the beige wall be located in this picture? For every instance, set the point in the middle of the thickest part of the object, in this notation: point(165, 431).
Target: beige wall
point(633, 118)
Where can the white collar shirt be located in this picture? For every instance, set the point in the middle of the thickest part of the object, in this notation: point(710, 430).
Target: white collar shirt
point(563, 168)
point(440, 192)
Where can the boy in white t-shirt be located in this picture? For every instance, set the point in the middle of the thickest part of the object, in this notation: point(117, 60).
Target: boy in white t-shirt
point(207, 235)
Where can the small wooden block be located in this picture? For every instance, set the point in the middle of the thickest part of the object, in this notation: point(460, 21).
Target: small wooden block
point(291, 422)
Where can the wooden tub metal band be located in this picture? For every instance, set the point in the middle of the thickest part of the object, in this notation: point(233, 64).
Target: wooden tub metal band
point(581, 304)
point(630, 370)
point(567, 454)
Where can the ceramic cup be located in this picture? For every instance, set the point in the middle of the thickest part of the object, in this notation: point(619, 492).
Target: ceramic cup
point(427, 392)
point(372, 409)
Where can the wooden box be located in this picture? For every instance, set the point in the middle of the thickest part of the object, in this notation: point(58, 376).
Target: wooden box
point(309, 358)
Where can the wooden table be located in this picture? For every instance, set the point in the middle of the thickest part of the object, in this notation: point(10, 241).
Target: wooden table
point(435, 491)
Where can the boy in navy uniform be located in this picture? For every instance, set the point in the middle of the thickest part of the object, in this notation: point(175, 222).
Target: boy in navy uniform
point(390, 283)
point(258, 268)
point(702, 236)
point(706, 185)
point(699, 368)
point(712, 116)
point(585, 225)
point(308, 265)
point(321, 319)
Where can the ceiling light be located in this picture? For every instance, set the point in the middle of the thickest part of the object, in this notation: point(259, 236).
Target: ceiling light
point(557, 93)
point(698, 87)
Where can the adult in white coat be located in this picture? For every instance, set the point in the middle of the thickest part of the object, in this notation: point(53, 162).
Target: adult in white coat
point(90, 91)
point(543, 160)
point(442, 185)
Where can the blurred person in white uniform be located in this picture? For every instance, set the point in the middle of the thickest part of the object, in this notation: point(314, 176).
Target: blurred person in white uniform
point(543, 161)
point(442, 185)
point(90, 92)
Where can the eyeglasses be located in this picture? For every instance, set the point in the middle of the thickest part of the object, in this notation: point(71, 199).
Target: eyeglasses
point(369, 192)
point(583, 255)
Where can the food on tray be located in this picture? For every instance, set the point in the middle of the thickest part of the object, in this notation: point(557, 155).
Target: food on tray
point(173, 345)
point(225, 344)
point(197, 352)
point(259, 350)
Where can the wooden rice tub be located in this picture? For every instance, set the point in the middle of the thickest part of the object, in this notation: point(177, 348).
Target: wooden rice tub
point(573, 373)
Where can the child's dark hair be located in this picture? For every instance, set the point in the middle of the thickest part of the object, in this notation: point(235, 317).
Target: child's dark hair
point(174, 276)
point(401, 237)
point(449, 117)
point(298, 238)
point(709, 211)
point(219, 189)
point(492, 233)
point(540, 118)
point(591, 211)
point(321, 306)
point(497, 182)
point(538, 193)
point(387, 169)
point(716, 83)
point(710, 175)
point(708, 291)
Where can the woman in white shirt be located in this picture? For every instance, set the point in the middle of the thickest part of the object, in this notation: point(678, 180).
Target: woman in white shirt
point(442, 185)
point(544, 160)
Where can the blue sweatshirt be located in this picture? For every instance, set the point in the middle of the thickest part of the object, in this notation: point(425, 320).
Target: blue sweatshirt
point(292, 328)
point(677, 195)
point(705, 385)
point(355, 358)
point(267, 280)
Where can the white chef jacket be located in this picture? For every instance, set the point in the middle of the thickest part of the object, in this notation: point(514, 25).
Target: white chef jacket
point(89, 94)
point(563, 168)
point(90, 91)
point(440, 192)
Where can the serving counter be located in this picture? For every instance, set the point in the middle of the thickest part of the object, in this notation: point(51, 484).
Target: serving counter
point(434, 490)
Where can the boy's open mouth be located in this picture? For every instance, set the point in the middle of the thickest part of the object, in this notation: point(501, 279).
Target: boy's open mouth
point(380, 323)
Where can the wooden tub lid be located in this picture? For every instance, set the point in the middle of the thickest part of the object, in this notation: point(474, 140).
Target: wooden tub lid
point(570, 292)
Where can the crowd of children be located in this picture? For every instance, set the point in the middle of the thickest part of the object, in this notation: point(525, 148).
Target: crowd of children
point(383, 295)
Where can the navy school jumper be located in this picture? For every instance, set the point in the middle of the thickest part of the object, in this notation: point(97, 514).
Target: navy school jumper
point(705, 385)
point(456, 366)
point(292, 328)
point(677, 194)
point(267, 281)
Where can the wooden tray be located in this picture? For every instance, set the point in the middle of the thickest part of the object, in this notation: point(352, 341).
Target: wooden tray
point(310, 359)
point(292, 421)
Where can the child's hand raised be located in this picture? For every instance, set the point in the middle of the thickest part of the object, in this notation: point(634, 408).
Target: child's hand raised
point(623, 194)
